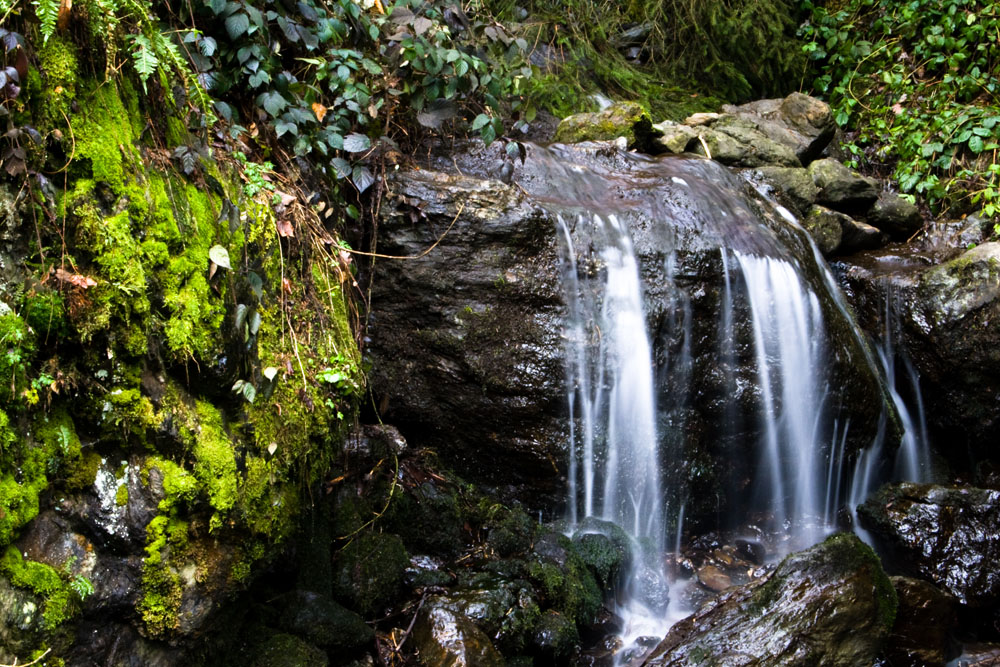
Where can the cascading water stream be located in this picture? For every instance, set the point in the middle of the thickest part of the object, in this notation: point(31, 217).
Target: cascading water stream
point(612, 407)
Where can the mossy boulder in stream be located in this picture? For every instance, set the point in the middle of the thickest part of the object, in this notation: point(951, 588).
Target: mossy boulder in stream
point(622, 119)
point(829, 606)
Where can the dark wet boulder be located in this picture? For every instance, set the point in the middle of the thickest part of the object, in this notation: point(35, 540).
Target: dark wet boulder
point(944, 304)
point(444, 637)
point(792, 186)
point(322, 622)
point(947, 535)
point(622, 119)
point(281, 650)
point(857, 235)
point(896, 216)
point(468, 341)
point(556, 638)
point(842, 189)
point(926, 618)
point(829, 605)
point(505, 610)
point(369, 572)
point(826, 227)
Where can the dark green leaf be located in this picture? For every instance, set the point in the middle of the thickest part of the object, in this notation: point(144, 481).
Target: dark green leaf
point(356, 143)
point(237, 25)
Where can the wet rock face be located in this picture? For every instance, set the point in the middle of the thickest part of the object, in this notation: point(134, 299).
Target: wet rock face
point(947, 535)
point(829, 605)
point(947, 308)
point(444, 637)
point(926, 617)
point(468, 342)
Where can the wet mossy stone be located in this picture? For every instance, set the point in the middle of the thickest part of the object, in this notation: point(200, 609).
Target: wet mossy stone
point(506, 610)
point(564, 578)
point(510, 531)
point(444, 637)
point(829, 606)
point(281, 650)
point(429, 519)
point(825, 227)
point(556, 638)
point(622, 119)
point(369, 572)
point(842, 189)
point(323, 622)
point(601, 556)
point(895, 216)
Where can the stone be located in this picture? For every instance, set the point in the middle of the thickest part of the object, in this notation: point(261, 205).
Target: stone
point(831, 605)
point(443, 637)
point(701, 118)
point(946, 535)
point(857, 235)
point(622, 119)
point(737, 142)
point(21, 623)
point(945, 303)
point(674, 137)
point(921, 636)
point(896, 216)
point(713, 578)
point(793, 186)
point(468, 344)
point(505, 610)
point(826, 227)
point(842, 189)
point(368, 573)
point(555, 638)
point(322, 622)
point(801, 123)
point(751, 551)
point(281, 650)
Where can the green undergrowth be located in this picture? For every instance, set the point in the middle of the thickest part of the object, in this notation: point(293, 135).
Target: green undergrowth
point(916, 87)
point(691, 55)
point(60, 599)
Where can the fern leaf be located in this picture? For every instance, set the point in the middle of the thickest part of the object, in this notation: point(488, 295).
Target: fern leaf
point(143, 58)
point(48, 13)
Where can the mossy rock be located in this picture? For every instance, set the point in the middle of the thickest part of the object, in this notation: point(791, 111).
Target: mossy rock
point(281, 650)
point(556, 638)
point(429, 519)
point(564, 578)
point(510, 531)
point(506, 610)
point(323, 622)
point(368, 572)
point(623, 119)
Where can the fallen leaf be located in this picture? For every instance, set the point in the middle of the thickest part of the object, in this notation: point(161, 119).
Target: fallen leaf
point(319, 110)
point(285, 228)
point(76, 279)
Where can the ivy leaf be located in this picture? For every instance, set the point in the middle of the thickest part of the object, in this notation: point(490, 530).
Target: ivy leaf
point(220, 256)
point(356, 143)
point(976, 144)
point(284, 127)
point(207, 46)
point(341, 166)
point(217, 6)
point(237, 24)
point(273, 102)
point(362, 178)
point(480, 122)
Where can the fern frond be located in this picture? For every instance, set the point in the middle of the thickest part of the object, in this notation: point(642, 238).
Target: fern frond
point(48, 13)
point(143, 58)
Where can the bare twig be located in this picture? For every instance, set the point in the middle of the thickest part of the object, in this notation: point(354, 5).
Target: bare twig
point(424, 253)
point(35, 661)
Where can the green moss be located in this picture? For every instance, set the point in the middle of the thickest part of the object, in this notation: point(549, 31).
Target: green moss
point(571, 588)
point(56, 88)
point(121, 496)
point(179, 486)
point(83, 474)
point(22, 479)
point(45, 313)
point(104, 135)
point(60, 602)
point(162, 589)
point(177, 134)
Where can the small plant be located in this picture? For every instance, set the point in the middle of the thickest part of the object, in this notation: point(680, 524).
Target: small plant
point(256, 175)
point(82, 586)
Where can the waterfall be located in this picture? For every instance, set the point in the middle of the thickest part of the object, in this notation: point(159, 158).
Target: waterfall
point(612, 408)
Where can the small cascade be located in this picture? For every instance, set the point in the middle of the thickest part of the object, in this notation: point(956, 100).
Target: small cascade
point(612, 409)
point(912, 462)
point(788, 344)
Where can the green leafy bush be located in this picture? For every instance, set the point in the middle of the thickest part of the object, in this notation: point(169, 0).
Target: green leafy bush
point(915, 86)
